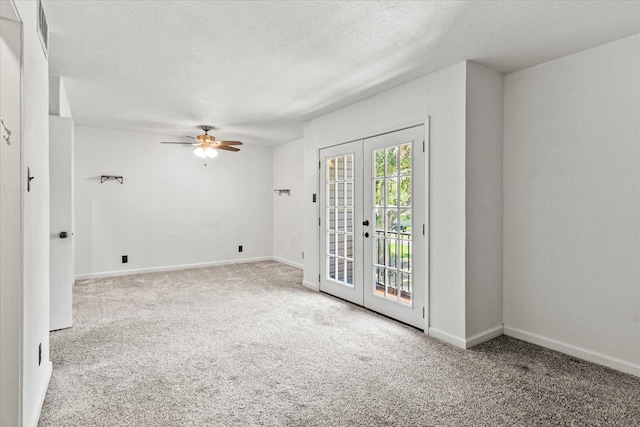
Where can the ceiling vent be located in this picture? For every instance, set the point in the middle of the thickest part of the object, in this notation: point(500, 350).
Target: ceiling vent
point(43, 28)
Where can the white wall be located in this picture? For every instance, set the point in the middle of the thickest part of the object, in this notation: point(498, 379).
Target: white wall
point(35, 217)
point(484, 203)
point(58, 100)
point(171, 210)
point(287, 210)
point(572, 204)
point(441, 96)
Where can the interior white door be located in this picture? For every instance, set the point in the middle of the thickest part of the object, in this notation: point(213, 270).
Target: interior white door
point(340, 217)
point(61, 269)
point(372, 224)
point(394, 251)
point(11, 327)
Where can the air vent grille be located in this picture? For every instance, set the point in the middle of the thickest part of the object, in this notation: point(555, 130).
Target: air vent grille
point(43, 28)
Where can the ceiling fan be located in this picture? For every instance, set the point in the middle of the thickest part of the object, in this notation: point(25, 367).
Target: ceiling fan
point(206, 145)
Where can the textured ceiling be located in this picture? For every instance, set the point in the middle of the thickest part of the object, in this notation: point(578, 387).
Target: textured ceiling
point(258, 70)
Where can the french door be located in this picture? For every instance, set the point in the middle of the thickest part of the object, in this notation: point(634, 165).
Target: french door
point(372, 234)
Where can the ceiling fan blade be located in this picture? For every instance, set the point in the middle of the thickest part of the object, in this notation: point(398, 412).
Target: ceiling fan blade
point(224, 147)
point(230, 142)
point(192, 137)
point(175, 142)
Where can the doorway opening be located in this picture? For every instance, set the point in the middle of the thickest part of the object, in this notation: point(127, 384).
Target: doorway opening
point(372, 224)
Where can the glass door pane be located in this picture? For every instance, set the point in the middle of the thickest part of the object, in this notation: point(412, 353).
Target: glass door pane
point(339, 228)
point(391, 184)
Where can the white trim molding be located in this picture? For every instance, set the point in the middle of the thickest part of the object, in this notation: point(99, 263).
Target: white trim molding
point(575, 351)
point(168, 268)
point(312, 286)
point(289, 263)
point(485, 336)
point(447, 337)
point(479, 338)
point(35, 415)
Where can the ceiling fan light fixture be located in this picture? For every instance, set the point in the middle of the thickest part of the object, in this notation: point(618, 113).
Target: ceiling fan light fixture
point(200, 152)
point(206, 145)
point(210, 152)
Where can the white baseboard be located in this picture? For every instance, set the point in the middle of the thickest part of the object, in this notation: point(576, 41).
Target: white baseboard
point(312, 286)
point(290, 263)
point(572, 350)
point(35, 415)
point(447, 337)
point(168, 268)
point(484, 336)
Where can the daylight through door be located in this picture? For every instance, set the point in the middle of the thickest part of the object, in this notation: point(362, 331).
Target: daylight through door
point(391, 184)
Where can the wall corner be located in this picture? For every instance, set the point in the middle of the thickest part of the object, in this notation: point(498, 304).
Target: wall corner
point(483, 202)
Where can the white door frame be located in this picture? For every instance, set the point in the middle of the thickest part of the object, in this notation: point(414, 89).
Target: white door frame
point(426, 212)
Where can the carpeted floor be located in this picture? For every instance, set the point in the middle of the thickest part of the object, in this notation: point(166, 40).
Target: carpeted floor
point(246, 344)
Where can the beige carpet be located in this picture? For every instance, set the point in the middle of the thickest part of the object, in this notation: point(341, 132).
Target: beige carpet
point(246, 345)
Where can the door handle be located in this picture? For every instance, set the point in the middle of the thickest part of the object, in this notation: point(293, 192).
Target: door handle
point(366, 234)
point(29, 179)
point(63, 234)
point(365, 222)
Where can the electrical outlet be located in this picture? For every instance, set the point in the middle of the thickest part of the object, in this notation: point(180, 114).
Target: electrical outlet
point(39, 354)
point(125, 259)
point(240, 248)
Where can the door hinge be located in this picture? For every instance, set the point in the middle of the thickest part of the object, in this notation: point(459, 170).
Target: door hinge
point(319, 164)
point(318, 222)
point(423, 229)
point(423, 312)
point(318, 278)
point(423, 145)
